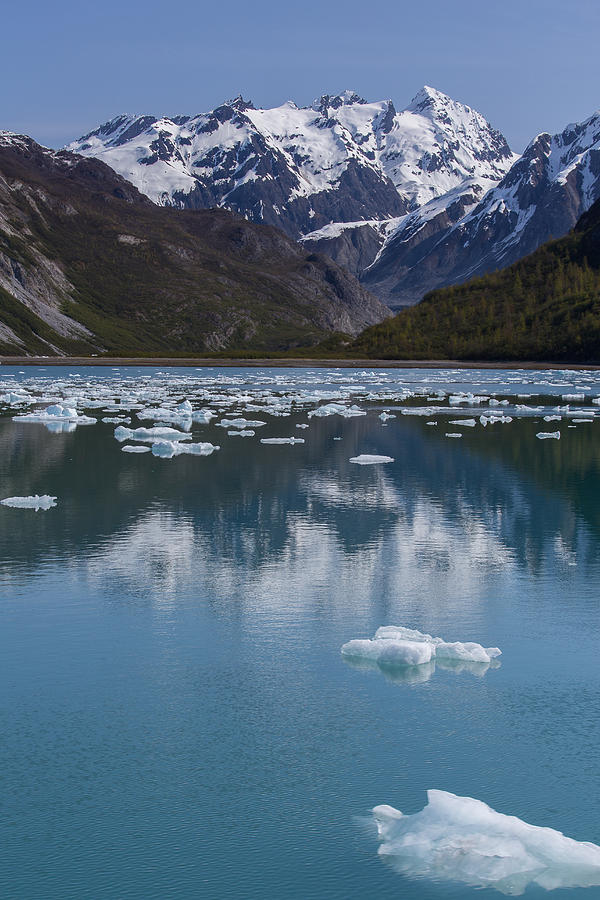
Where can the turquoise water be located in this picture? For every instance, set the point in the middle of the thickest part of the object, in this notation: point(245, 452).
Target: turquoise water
point(175, 716)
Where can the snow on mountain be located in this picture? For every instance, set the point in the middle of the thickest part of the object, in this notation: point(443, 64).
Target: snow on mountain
point(542, 196)
point(340, 160)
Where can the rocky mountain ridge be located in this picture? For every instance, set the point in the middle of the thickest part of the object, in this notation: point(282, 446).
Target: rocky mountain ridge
point(88, 264)
point(408, 201)
point(340, 160)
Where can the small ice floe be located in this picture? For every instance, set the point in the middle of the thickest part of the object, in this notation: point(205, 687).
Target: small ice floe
point(169, 449)
point(16, 398)
point(116, 420)
point(337, 409)
point(570, 397)
point(135, 448)
point(288, 440)
point(546, 435)
point(465, 841)
point(385, 416)
point(240, 423)
point(468, 423)
point(453, 434)
point(396, 645)
point(158, 433)
point(302, 425)
point(248, 432)
point(552, 418)
point(45, 501)
point(431, 423)
point(370, 459)
point(581, 421)
point(56, 413)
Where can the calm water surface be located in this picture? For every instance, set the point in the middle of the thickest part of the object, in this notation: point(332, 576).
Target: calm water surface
point(176, 720)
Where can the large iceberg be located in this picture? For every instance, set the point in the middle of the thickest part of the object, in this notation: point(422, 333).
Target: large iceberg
point(460, 839)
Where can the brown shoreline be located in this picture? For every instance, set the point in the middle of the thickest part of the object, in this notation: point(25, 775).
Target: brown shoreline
point(202, 362)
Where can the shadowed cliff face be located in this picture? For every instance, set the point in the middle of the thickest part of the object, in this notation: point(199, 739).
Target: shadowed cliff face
point(541, 197)
point(88, 263)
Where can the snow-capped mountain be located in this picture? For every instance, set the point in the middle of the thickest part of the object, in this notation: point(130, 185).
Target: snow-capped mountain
point(341, 160)
point(542, 196)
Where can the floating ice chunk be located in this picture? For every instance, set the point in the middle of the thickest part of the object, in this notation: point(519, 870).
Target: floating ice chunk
point(453, 434)
point(114, 420)
point(570, 397)
point(56, 413)
point(468, 423)
point(16, 398)
point(431, 423)
point(385, 416)
point(246, 433)
point(370, 459)
point(467, 652)
point(544, 435)
point(337, 409)
point(158, 433)
point(552, 418)
point(169, 449)
point(135, 448)
point(240, 423)
point(302, 425)
point(463, 840)
point(401, 633)
point(581, 421)
point(390, 652)
point(398, 645)
point(289, 440)
point(45, 501)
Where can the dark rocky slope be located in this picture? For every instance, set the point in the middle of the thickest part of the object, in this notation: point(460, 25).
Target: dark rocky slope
point(88, 264)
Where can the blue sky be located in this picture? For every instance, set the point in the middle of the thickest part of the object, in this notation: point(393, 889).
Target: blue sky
point(528, 66)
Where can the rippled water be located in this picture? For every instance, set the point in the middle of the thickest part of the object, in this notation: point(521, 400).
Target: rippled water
point(175, 716)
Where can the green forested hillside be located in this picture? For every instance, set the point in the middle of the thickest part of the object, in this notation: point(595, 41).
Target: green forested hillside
point(545, 307)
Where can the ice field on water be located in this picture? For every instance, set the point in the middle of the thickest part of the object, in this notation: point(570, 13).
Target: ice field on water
point(184, 554)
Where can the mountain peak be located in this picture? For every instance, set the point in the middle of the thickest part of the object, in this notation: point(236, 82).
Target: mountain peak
point(239, 103)
point(429, 98)
point(334, 101)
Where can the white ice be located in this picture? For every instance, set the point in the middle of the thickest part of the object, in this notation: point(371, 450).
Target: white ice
point(135, 448)
point(169, 449)
point(462, 840)
point(369, 459)
point(545, 435)
point(45, 501)
point(158, 433)
point(401, 646)
point(56, 413)
point(288, 440)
